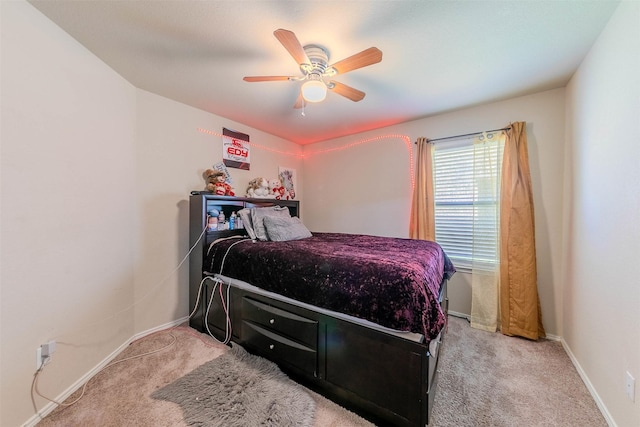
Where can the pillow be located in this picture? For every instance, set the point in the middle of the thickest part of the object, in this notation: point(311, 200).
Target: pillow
point(247, 223)
point(258, 214)
point(281, 229)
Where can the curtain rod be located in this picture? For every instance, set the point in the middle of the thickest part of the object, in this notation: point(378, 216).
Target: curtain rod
point(461, 136)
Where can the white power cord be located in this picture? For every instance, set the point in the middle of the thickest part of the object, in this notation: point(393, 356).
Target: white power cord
point(225, 304)
point(225, 307)
point(34, 383)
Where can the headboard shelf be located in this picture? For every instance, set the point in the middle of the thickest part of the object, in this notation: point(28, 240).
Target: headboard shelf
point(201, 202)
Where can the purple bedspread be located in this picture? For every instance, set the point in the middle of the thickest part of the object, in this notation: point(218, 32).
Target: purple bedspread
point(389, 281)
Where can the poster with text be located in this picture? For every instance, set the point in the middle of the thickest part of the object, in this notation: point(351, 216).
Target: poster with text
point(235, 149)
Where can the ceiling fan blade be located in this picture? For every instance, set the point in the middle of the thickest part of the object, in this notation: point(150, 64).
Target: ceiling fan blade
point(265, 78)
point(346, 91)
point(369, 56)
point(293, 46)
point(299, 102)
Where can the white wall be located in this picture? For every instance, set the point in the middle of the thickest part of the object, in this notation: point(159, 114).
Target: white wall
point(359, 186)
point(367, 186)
point(68, 208)
point(171, 156)
point(602, 215)
point(96, 176)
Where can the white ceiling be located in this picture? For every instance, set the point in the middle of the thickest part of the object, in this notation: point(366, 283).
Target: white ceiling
point(438, 56)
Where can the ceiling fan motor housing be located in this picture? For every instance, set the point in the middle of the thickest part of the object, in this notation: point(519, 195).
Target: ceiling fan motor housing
point(319, 59)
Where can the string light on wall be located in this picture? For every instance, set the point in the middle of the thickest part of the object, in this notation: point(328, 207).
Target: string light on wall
point(262, 147)
point(402, 138)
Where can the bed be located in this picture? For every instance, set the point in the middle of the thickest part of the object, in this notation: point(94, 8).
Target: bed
point(357, 318)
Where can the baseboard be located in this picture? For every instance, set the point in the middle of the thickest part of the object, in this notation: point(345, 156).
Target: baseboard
point(553, 337)
point(467, 317)
point(585, 380)
point(49, 407)
point(574, 361)
point(159, 328)
point(460, 315)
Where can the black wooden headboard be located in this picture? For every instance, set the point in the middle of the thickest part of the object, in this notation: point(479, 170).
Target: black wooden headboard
point(201, 202)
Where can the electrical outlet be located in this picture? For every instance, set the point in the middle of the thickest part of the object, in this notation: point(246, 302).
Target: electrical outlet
point(44, 353)
point(48, 349)
point(630, 385)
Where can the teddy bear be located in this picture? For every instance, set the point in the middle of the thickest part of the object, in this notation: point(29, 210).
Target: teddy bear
point(259, 187)
point(277, 190)
point(217, 182)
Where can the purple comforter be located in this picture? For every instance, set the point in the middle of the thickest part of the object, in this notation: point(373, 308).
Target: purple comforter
point(389, 281)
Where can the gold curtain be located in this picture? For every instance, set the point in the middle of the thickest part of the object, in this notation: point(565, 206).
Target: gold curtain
point(519, 301)
point(422, 223)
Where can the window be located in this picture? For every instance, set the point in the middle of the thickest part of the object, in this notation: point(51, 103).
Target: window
point(466, 174)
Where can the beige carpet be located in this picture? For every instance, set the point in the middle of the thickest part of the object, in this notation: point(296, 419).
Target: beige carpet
point(492, 380)
point(485, 380)
point(120, 395)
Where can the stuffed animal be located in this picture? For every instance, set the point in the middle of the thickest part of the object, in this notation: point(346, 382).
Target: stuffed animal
point(217, 182)
point(259, 187)
point(277, 190)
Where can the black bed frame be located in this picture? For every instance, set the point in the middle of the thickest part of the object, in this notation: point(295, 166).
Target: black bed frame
point(384, 378)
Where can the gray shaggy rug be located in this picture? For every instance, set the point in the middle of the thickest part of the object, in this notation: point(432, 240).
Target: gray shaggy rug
point(239, 389)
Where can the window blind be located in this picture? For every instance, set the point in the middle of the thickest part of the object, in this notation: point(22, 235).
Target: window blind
point(466, 198)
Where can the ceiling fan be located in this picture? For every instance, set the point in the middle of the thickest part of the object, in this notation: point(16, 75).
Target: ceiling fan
point(317, 73)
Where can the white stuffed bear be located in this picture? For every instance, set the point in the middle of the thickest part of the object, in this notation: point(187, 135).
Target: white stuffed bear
point(277, 190)
point(259, 188)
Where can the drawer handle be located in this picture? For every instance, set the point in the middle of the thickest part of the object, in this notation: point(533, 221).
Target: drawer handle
point(272, 321)
point(271, 346)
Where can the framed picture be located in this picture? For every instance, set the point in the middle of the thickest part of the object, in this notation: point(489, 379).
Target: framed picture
point(288, 179)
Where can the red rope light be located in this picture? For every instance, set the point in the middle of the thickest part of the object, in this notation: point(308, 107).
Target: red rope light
point(402, 138)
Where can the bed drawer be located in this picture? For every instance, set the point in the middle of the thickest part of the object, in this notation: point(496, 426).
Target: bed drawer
point(278, 348)
point(281, 322)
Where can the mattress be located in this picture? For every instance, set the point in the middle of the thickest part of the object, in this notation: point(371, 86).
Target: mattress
point(391, 282)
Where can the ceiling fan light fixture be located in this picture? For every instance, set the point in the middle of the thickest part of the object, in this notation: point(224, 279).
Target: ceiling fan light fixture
point(314, 90)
